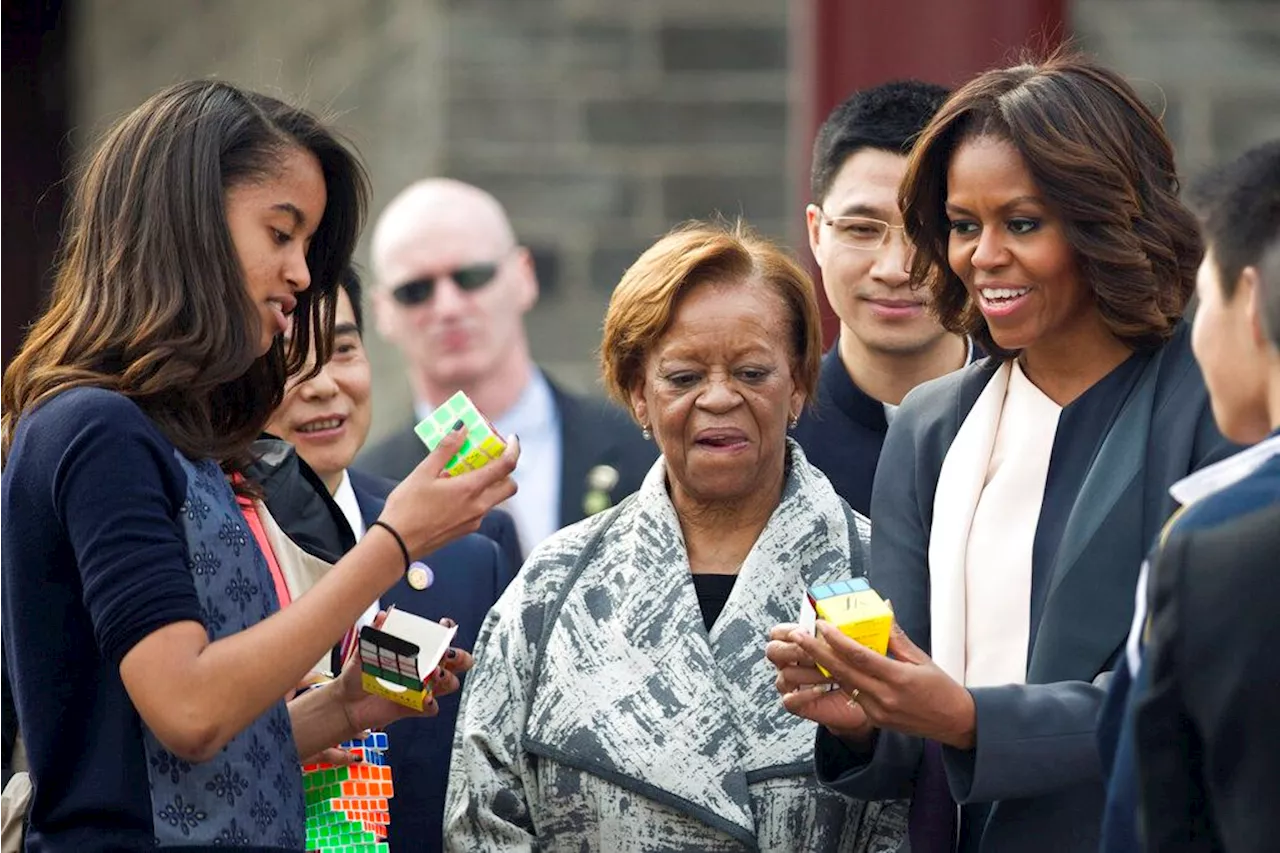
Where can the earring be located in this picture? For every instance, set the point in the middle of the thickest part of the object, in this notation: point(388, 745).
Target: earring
point(795, 421)
point(644, 432)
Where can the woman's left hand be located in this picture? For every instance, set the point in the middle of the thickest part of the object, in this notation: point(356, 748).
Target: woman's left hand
point(906, 693)
point(366, 711)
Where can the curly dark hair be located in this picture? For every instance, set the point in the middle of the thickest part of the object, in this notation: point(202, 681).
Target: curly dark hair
point(1102, 162)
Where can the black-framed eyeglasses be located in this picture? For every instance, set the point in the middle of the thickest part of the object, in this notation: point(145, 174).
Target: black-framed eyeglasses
point(861, 232)
point(467, 278)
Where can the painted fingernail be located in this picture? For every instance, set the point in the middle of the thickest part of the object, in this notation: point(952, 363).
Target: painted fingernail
point(448, 623)
point(457, 426)
point(451, 654)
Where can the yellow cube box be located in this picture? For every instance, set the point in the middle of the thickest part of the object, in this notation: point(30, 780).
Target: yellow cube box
point(854, 608)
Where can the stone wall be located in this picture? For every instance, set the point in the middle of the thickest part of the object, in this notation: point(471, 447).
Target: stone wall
point(599, 123)
point(1211, 66)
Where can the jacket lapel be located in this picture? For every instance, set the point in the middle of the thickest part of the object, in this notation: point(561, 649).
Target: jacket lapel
point(633, 690)
point(579, 446)
point(807, 541)
point(370, 504)
point(960, 483)
point(1100, 557)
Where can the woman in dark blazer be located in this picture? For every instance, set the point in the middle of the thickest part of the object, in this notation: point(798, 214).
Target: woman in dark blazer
point(1015, 498)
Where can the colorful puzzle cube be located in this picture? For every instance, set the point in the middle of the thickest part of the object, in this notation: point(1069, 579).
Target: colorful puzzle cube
point(347, 806)
point(396, 660)
point(482, 445)
point(854, 608)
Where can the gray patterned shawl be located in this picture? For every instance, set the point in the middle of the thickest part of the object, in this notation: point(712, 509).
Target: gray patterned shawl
point(601, 716)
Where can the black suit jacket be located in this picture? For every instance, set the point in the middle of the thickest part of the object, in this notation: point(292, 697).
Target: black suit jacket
point(593, 433)
point(469, 576)
point(496, 524)
point(1206, 731)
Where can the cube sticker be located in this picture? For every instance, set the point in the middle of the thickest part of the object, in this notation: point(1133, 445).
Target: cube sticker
point(482, 444)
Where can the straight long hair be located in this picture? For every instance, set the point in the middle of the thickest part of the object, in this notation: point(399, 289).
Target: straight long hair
point(149, 299)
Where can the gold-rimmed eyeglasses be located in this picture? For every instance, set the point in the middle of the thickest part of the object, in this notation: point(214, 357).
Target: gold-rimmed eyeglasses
point(862, 232)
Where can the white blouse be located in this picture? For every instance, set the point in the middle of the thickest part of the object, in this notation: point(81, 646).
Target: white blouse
point(997, 570)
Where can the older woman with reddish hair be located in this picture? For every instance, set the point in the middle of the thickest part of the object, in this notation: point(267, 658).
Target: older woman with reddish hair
point(621, 700)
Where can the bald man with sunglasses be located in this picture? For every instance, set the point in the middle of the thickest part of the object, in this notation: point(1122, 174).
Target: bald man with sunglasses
point(453, 286)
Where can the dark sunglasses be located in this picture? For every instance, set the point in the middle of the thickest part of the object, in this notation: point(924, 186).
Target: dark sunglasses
point(468, 278)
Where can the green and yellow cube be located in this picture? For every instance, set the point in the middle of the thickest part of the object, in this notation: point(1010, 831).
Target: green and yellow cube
point(482, 445)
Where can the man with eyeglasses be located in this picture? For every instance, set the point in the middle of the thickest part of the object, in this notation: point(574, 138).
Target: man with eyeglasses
point(453, 286)
point(889, 341)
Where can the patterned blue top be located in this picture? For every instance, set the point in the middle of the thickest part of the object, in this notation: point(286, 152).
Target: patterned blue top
point(109, 534)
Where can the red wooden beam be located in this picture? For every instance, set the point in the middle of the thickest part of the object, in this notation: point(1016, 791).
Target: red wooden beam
point(839, 46)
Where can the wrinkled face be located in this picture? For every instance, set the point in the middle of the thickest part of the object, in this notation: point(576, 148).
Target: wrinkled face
point(1230, 346)
point(271, 222)
point(1010, 249)
point(867, 288)
point(327, 417)
point(718, 392)
point(456, 336)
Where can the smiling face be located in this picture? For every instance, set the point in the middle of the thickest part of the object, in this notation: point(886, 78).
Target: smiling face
point(271, 223)
point(718, 392)
point(1011, 250)
point(868, 288)
point(327, 417)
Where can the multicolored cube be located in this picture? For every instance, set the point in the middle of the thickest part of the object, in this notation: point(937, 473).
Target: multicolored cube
point(393, 659)
point(386, 660)
point(482, 445)
point(854, 608)
point(347, 808)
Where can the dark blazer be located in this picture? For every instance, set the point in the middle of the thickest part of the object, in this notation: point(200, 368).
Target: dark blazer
point(592, 433)
point(1206, 729)
point(1035, 759)
point(1117, 738)
point(469, 576)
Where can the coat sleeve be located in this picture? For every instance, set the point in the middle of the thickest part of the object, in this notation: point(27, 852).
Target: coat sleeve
point(1167, 742)
point(901, 510)
point(487, 807)
point(1032, 740)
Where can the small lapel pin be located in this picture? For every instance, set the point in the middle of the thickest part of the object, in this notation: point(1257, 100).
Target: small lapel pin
point(601, 480)
point(420, 576)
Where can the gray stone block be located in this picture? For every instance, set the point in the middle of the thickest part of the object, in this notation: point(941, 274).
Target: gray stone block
point(564, 195)
point(654, 122)
point(608, 263)
point(751, 197)
point(723, 48)
point(1242, 120)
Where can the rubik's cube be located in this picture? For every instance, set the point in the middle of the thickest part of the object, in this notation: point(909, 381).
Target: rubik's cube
point(854, 608)
point(347, 806)
point(391, 659)
point(482, 443)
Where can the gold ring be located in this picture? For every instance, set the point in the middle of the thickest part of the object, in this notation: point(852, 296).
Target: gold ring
point(853, 698)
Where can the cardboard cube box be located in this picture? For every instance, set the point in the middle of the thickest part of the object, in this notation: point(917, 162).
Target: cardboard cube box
point(482, 445)
point(854, 608)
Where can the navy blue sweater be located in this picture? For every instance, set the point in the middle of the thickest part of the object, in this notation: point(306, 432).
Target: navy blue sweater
point(100, 512)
